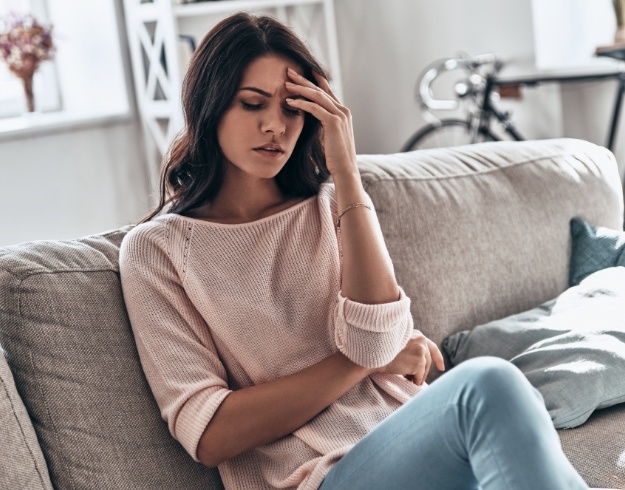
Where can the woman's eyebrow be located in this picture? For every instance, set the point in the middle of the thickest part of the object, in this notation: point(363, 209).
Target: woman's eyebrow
point(257, 90)
point(267, 94)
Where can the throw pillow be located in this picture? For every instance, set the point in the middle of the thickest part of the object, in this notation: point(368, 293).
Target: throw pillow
point(572, 349)
point(594, 248)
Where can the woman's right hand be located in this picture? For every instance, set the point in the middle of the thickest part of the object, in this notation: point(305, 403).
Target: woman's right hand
point(415, 359)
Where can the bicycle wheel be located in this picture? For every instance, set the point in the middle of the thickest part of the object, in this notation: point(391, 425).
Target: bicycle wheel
point(450, 132)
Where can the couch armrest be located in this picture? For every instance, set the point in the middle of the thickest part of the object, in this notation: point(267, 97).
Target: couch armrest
point(22, 464)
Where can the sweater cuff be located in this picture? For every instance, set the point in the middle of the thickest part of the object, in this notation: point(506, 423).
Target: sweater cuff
point(372, 335)
point(194, 418)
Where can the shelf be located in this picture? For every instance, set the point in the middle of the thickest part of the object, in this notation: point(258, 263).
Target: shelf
point(153, 37)
point(593, 68)
point(42, 123)
point(221, 7)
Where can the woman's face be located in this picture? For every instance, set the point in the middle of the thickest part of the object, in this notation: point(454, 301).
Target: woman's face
point(258, 132)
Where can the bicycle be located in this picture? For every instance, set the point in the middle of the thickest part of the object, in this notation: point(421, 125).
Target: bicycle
point(475, 90)
point(478, 90)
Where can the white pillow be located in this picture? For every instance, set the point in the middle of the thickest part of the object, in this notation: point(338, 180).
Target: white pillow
point(572, 348)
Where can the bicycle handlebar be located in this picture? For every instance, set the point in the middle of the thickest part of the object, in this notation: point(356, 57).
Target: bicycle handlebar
point(435, 69)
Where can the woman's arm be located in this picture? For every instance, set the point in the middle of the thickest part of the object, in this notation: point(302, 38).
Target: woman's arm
point(367, 275)
point(261, 414)
point(367, 270)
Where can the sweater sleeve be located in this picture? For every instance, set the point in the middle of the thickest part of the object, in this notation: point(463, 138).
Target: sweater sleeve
point(372, 335)
point(177, 353)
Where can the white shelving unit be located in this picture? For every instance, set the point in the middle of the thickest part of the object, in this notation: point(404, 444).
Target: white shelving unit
point(154, 28)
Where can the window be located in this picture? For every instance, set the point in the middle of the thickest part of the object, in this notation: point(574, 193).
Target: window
point(85, 83)
point(46, 86)
point(566, 32)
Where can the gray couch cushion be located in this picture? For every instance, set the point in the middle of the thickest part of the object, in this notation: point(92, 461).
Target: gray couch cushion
point(67, 339)
point(597, 448)
point(21, 462)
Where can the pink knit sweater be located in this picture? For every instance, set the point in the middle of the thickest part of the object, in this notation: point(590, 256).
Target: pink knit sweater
point(217, 307)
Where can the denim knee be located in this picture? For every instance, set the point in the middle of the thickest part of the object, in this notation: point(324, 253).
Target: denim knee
point(492, 376)
point(490, 367)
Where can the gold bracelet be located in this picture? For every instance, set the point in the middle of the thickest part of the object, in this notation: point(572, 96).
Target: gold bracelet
point(351, 206)
point(338, 235)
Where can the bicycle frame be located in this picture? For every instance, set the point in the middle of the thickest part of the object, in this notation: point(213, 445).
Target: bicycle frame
point(489, 110)
point(479, 118)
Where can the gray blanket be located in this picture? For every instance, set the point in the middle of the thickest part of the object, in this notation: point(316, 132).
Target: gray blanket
point(572, 348)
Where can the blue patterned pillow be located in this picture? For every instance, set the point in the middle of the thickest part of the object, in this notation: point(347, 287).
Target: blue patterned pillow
point(594, 249)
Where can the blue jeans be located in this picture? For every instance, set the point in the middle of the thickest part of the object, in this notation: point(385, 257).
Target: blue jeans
point(482, 425)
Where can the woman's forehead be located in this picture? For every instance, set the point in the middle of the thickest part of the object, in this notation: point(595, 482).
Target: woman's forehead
point(269, 69)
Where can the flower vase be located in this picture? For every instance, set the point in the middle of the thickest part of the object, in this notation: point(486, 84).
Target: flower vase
point(27, 82)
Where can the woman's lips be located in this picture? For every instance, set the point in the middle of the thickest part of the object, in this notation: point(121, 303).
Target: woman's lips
point(269, 153)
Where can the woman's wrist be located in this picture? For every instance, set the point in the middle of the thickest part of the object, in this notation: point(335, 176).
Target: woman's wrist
point(346, 176)
point(350, 365)
point(349, 189)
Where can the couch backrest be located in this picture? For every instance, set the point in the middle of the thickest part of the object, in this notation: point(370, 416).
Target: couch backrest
point(480, 232)
point(475, 233)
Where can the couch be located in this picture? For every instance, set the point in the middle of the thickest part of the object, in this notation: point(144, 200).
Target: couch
point(476, 233)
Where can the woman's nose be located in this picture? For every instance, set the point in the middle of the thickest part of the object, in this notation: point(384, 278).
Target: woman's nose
point(273, 122)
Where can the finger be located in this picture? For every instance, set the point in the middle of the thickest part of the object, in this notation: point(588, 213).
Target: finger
point(302, 80)
point(325, 85)
point(437, 357)
point(322, 87)
point(314, 94)
point(428, 364)
point(419, 375)
point(427, 361)
point(315, 109)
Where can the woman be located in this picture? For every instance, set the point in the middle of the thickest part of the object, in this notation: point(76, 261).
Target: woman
point(265, 309)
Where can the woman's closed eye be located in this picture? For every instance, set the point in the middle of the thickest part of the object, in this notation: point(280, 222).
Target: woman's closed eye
point(251, 107)
point(257, 107)
point(292, 112)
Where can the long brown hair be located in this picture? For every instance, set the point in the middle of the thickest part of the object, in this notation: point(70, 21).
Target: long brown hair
point(194, 166)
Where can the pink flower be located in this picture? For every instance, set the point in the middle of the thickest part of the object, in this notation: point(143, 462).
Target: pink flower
point(24, 43)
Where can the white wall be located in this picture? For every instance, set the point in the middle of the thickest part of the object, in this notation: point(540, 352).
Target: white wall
point(566, 34)
point(384, 46)
point(72, 183)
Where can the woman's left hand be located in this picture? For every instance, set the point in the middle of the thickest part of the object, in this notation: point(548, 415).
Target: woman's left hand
point(338, 135)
